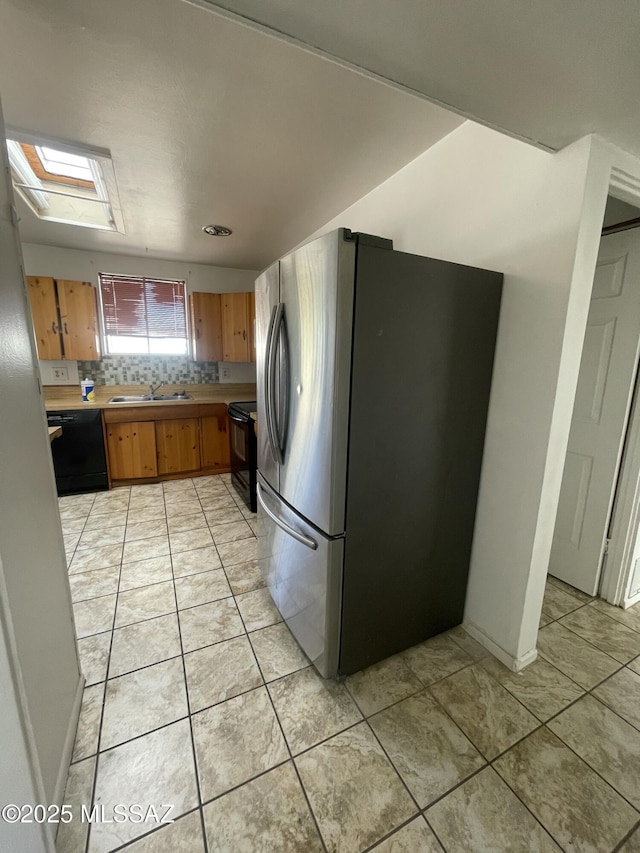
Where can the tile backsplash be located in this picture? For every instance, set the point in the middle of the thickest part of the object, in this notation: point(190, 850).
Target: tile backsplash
point(143, 370)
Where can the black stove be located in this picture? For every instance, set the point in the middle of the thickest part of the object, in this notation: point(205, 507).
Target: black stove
point(240, 409)
point(244, 451)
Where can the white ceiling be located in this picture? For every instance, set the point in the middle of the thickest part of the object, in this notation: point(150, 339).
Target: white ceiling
point(212, 119)
point(549, 71)
point(207, 121)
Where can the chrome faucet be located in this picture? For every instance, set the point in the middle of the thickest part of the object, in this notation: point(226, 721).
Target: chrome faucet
point(153, 390)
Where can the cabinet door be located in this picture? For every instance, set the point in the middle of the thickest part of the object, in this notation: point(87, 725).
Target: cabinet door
point(235, 334)
point(206, 326)
point(79, 318)
point(132, 450)
point(178, 445)
point(44, 312)
point(215, 440)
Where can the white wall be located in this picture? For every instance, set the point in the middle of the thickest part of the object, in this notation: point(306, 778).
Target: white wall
point(37, 645)
point(79, 265)
point(19, 782)
point(483, 199)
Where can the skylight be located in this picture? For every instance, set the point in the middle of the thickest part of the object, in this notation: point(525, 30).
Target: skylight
point(65, 182)
point(62, 164)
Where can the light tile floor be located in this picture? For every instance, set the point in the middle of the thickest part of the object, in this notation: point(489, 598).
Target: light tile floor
point(197, 696)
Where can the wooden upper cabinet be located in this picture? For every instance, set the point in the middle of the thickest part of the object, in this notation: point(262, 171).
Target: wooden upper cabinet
point(238, 311)
point(223, 326)
point(44, 311)
point(206, 326)
point(79, 320)
point(178, 445)
point(65, 318)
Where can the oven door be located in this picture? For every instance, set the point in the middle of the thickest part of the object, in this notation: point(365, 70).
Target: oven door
point(242, 458)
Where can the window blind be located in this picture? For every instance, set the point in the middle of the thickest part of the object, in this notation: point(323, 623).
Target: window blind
point(143, 307)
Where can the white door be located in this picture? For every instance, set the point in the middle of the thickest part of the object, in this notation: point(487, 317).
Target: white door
point(600, 413)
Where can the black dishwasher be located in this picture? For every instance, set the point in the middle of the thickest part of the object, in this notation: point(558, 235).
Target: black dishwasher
point(78, 454)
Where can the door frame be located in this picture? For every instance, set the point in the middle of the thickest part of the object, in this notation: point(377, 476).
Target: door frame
point(624, 520)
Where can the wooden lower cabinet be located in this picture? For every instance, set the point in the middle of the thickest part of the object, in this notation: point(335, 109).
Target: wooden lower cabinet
point(178, 445)
point(152, 443)
point(131, 448)
point(215, 440)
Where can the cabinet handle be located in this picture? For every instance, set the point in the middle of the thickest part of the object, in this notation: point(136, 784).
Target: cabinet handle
point(66, 331)
point(244, 335)
point(54, 329)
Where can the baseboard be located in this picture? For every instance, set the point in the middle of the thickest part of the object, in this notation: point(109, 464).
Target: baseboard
point(69, 741)
point(515, 664)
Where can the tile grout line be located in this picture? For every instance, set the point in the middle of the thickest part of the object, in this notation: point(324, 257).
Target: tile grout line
point(192, 736)
point(389, 835)
point(568, 746)
point(626, 838)
point(104, 697)
point(291, 759)
point(488, 763)
point(614, 622)
point(107, 679)
point(68, 561)
point(590, 604)
point(264, 686)
point(129, 844)
point(190, 713)
point(543, 724)
point(579, 757)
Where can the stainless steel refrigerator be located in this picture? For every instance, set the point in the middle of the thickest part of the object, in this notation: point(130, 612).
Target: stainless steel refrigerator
point(374, 372)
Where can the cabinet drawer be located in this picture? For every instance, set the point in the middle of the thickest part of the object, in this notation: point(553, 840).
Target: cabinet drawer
point(152, 412)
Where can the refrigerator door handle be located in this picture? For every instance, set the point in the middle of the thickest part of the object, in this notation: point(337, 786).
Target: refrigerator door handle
point(300, 537)
point(272, 361)
point(269, 380)
point(280, 339)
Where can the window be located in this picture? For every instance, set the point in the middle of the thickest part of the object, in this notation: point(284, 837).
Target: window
point(65, 182)
point(143, 315)
point(59, 164)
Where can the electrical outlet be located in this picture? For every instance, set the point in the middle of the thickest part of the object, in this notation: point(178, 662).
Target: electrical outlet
point(225, 373)
point(61, 373)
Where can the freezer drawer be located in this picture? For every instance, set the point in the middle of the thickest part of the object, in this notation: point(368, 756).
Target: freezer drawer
point(303, 572)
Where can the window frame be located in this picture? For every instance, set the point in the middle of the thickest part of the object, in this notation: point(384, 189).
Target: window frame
point(144, 278)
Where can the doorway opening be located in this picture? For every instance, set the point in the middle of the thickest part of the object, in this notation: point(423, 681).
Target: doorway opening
point(595, 547)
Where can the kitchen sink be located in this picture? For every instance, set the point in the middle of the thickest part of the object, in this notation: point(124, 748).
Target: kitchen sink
point(146, 398)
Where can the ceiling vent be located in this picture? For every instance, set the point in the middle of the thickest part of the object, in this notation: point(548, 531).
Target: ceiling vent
point(217, 230)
